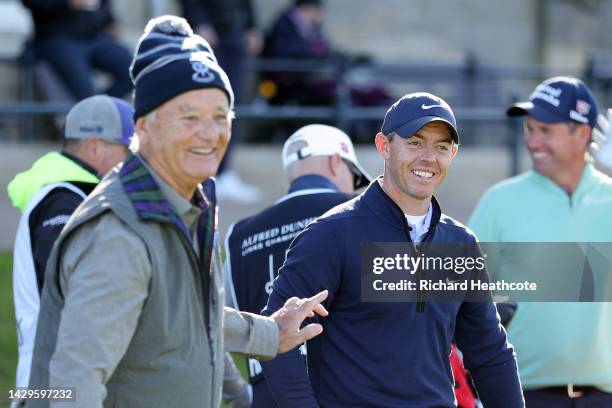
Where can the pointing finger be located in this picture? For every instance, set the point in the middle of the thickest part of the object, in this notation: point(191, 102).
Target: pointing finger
point(315, 300)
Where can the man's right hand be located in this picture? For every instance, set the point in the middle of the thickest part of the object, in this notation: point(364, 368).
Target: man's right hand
point(290, 317)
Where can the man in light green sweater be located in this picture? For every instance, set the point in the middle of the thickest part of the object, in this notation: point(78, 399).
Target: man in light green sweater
point(564, 350)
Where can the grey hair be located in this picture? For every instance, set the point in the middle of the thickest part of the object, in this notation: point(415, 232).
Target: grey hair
point(135, 142)
point(72, 145)
point(150, 118)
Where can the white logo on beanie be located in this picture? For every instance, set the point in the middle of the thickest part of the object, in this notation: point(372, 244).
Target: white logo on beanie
point(202, 72)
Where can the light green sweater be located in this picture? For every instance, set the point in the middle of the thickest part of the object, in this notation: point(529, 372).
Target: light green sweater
point(556, 343)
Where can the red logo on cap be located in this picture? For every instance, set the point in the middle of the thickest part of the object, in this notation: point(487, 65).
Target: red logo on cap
point(582, 107)
point(344, 147)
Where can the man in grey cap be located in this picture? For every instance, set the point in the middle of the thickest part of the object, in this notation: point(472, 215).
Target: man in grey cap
point(96, 134)
point(132, 312)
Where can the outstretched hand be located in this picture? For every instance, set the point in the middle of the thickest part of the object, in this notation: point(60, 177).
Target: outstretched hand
point(290, 317)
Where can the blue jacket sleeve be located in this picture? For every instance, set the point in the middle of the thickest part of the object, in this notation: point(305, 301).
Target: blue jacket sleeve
point(288, 379)
point(488, 356)
point(313, 264)
point(486, 353)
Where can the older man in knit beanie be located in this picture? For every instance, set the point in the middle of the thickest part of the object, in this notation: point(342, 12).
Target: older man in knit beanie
point(132, 312)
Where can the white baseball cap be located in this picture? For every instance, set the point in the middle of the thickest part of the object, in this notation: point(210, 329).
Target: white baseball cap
point(323, 140)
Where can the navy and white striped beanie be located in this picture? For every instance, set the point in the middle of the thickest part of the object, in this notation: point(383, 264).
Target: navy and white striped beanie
point(170, 60)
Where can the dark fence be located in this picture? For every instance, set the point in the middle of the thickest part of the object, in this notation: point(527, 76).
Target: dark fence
point(479, 94)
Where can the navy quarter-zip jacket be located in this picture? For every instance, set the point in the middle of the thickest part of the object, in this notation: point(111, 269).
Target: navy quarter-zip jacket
point(384, 354)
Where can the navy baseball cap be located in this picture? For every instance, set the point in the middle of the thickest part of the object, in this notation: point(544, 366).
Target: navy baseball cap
point(413, 111)
point(100, 117)
point(559, 99)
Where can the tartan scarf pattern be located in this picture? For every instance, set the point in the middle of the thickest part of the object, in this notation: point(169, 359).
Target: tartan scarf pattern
point(151, 205)
point(207, 224)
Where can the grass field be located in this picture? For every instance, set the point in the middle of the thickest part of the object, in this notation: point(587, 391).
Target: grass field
point(8, 336)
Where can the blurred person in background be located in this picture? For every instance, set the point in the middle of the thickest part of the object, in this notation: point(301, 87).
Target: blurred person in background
point(563, 349)
point(96, 134)
point(75, 36)
point(298, 34)
point(323, 171)
point(230, 28)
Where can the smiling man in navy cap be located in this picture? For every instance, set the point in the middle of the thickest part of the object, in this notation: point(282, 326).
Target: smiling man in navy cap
point(384, 353)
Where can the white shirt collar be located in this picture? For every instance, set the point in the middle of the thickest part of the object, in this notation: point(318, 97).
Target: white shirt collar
point(419, 224)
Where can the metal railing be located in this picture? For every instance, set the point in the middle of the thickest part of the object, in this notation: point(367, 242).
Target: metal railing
point(468, 75)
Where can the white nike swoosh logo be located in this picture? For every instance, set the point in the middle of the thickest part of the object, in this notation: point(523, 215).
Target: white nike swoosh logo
point(430, 106)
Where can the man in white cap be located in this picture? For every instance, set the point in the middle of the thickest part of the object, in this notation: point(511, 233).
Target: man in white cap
point(323, 171)
point(96, 135)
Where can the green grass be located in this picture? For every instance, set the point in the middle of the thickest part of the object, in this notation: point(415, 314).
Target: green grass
point(8, 334)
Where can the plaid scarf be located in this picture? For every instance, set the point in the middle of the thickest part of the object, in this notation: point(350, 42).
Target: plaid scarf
point(151, 205)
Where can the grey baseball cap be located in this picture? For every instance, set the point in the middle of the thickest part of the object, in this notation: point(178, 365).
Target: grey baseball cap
point(100, 117)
